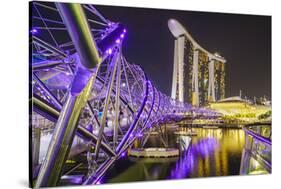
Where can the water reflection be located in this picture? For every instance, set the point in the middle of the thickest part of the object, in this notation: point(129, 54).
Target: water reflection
point(213, 152)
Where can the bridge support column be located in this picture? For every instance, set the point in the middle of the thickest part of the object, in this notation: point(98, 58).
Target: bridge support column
point(62, 139)
point(66, 126)
point(117, 103)
point(114, 63)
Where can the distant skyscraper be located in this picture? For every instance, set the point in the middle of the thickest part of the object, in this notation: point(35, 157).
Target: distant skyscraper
point(198, 75)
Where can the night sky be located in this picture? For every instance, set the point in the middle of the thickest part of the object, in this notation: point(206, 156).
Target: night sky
point(244, 40)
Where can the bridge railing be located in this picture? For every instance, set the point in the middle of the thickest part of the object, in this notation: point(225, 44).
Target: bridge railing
point(87, 92)
point(256, 156)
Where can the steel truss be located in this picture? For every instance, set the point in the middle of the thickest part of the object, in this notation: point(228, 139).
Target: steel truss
point(82, 83)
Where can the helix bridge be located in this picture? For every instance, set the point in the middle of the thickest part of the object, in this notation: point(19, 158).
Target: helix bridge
point(81, 86)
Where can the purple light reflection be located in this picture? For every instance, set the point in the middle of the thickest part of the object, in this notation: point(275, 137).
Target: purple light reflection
point(189, 160)
point(117, 41)
point(183, 167)
point(74, 179)
point(205, 147)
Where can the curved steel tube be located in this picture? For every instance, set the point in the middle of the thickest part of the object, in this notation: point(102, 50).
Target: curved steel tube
point(138, 97)
point(76, 23)
point(256, 135)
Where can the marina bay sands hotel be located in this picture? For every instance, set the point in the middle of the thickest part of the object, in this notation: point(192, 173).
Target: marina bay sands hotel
point(198, 75)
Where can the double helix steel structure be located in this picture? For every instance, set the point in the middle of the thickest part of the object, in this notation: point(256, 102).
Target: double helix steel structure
point(84, 87)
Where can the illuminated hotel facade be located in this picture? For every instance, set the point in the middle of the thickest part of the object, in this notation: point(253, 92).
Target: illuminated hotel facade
point(198, 75)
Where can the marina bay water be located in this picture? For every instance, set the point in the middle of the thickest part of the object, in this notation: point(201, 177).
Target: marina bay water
point(213, 152)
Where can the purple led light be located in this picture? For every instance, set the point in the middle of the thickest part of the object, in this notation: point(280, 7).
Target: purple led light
point(117, 41)
point(124, 30)
point(131, 135)
point(33, 31)
point(123, 154)
point(109, 51)
point(99, 182)
point(122, 35)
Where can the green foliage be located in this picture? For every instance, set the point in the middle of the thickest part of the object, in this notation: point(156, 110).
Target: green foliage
point(265, 115)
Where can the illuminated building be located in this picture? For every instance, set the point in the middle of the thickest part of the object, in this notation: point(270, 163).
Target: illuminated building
point(238, 108)
point(198, 75)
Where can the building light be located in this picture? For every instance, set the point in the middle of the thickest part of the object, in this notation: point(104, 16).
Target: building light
point(217, 54)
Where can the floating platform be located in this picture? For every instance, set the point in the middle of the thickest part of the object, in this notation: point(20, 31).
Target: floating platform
point(154, 152)
point(186, 133)
point(154, 133)
point(170, 127)
point(155, 160)
point(210, 127)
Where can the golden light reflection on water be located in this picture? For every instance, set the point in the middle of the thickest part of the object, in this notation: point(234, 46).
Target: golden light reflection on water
point(215, 151)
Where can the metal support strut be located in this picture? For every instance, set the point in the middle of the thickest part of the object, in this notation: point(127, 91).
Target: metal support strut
point(66, 126)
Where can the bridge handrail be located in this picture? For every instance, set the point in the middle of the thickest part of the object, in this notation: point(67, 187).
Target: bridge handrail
point(257, 136)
